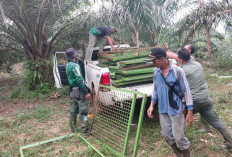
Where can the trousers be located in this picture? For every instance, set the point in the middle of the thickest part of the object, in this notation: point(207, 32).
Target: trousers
point(79, 106)
point(92, 42)
point(172, 128)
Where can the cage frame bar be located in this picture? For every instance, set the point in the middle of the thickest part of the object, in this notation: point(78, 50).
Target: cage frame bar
point(141, 116)
point(58, 138)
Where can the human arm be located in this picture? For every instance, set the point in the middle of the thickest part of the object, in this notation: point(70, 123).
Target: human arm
point(184, 86)
point(189, 117)
point(110, 40)
point(150, 109)
point(169, 53)
point(154, 98)
point(115, 42)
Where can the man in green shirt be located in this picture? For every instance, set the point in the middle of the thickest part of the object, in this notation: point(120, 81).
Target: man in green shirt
point(78, 104)
point(202, 103)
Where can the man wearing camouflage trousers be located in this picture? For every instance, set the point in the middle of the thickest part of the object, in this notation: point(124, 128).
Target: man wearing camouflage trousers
point(78, 104)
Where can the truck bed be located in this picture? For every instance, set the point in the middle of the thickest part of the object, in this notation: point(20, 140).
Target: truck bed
point(142, 88)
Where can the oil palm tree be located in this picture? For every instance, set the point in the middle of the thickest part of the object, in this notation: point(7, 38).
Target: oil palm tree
point(204, 16)
point(33, 28)
point(145, 17)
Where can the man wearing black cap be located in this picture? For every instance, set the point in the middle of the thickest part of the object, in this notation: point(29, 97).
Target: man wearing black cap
point(169, 85)
point(201, 99)
point(99, 33)
point(79, 103)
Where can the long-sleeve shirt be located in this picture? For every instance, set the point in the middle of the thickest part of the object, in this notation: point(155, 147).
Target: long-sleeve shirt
point(75, 77)
point(195, 75)
point(175, 76)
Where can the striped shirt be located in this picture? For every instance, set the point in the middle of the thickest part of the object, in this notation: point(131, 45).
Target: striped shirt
point(160, 90)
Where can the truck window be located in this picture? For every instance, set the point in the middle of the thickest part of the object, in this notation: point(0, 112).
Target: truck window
point(61, 63)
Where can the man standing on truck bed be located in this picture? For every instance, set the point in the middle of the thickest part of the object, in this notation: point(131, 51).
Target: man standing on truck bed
point(99, 33)
point(169, 84)
point(78, 103)
point(201, 101)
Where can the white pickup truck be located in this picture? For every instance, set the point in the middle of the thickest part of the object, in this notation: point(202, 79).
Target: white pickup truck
point(94, 75)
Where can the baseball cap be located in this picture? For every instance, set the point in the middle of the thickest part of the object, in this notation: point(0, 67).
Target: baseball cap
point(156, 53)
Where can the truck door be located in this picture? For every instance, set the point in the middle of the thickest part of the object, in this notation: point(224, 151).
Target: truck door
point(59, 69)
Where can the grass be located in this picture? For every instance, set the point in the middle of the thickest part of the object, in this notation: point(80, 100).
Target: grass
point(40, 118)
point(42, 113)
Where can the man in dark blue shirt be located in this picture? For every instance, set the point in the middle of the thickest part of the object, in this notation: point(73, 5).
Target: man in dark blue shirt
point(98, 34)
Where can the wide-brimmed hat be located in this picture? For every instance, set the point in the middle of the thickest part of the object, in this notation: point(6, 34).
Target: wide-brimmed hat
point(156, 53)
point(71, 53)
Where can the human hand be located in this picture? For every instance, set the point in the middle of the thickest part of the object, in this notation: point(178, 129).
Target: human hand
point(189, 118)
point(149, 111)
point(166, 46)
point(88, 96)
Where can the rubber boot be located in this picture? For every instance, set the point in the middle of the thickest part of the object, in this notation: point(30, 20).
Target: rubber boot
point(73, 123)
point(84, 127)
point(227, 136)
point(176, 150)
point(186, 153)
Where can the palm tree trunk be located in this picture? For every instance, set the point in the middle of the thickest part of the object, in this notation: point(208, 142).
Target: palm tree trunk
point(137, 37)
point(208, 41)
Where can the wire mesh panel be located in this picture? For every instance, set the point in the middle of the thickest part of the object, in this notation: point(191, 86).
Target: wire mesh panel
point(113, 116)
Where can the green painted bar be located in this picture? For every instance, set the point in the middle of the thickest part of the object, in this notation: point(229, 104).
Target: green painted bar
point(55, 139)
point(113, 67)
point(126, 57)
point(47, 141)
point(137, 71)
point(21, 152)
point(141, 115)
point(123, 90)
point(132, 78)
point(132, 61)
point(112, 150)
point(91, 146)
point(133, 82)
point(129, 123)
point(43, 142)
